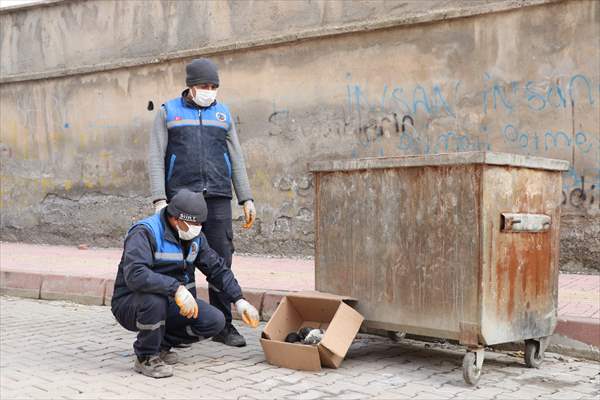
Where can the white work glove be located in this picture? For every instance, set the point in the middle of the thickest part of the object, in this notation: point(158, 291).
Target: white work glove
point(249, 213)
point(188, 307)
point(159, 205)
point(248, 313)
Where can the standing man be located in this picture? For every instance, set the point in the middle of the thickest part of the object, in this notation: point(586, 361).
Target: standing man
point(194, 145)
point(155, 287)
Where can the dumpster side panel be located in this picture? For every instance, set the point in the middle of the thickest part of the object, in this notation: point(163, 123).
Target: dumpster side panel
point(405, 243)
point(520, 268)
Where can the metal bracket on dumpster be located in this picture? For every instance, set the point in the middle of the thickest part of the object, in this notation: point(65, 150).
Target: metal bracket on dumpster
point(469, 334)
point(544, 342)
point(521, 222)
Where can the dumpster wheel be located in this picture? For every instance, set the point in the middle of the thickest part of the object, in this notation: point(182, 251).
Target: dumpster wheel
point(533, 355)
point(472, 366)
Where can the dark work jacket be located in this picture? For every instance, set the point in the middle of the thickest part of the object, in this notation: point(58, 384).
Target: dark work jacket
point(197, 157)
point(154, 260)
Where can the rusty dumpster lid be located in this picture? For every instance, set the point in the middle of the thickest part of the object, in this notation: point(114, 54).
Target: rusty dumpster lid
point(474, 157)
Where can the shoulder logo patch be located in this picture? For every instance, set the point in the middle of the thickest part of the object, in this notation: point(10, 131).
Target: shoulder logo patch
point(221, 116)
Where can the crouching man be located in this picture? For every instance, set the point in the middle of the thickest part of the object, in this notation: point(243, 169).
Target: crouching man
point(155, 287)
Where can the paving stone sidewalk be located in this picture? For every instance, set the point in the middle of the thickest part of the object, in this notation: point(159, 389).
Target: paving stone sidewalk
point(87, 277)
point(59, 350)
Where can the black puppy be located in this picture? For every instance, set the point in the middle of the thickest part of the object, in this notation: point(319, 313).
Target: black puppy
point(304, 331)
point(292, 337)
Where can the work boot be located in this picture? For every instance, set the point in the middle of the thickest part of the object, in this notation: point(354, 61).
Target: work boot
point(169, 357)
point(153, 367)
point(230, 337)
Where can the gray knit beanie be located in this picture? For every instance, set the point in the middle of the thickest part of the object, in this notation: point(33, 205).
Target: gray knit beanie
point(188, 206)
point(201, 70)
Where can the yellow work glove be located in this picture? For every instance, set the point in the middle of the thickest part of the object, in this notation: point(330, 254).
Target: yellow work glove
point(249, 213)
point(248, 313)
point(188, 307)
point(159, 205)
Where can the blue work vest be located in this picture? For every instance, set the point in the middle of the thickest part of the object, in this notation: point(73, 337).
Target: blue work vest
point(168, 257)
point(197, 157)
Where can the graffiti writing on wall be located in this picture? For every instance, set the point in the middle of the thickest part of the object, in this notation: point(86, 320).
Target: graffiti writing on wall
point(537, 95)
point(533, 117)
point(581, 191)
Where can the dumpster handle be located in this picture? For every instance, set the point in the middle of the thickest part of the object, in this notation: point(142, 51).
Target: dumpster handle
point(522, 222)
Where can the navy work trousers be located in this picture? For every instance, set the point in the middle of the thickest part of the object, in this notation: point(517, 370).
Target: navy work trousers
point(219, 233)
point(159, 325)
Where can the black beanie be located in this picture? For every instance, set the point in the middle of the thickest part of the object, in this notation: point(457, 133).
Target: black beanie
point(188, 206)
point(201, 70)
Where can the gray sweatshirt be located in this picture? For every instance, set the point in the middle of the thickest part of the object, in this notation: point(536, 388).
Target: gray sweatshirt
point(156, 160)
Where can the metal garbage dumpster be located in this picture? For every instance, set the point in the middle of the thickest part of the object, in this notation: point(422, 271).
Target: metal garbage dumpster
point(460, 246)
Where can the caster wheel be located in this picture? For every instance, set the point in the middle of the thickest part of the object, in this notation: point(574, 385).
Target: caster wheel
point(470, 371)
point(533, 358)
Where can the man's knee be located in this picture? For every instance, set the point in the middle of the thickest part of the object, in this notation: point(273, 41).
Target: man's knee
point(218, 323)
point(152, 303)
point(140, 307)
point(211, 321)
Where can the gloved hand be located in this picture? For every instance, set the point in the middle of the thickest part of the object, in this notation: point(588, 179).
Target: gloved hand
point(249, 213)
point(188, 307)
point(248, 312)
point(159, 205)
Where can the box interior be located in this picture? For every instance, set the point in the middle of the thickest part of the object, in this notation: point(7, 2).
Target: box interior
point(297, 312)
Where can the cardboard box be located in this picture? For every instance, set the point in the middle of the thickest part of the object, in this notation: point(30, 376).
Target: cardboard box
point(316, 310)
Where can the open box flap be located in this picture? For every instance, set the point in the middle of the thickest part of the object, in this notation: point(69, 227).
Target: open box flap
point(314, 309)
point(342, 330)
point(328, 359)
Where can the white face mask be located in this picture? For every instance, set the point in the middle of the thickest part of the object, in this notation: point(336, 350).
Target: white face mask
point(191, 233)
point(205, 98)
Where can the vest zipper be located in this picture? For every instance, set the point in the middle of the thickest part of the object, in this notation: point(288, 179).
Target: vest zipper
point(203, 149)
point(186, 277)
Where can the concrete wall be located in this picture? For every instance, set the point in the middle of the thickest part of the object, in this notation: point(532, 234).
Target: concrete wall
point(306, 81)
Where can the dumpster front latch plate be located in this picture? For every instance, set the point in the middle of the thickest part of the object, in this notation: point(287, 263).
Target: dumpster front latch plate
point(522, 222)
